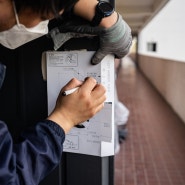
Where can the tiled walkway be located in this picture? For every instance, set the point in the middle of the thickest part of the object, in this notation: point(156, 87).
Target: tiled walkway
point(154, 151)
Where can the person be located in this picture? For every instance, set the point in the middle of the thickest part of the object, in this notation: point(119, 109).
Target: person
point(40, 148)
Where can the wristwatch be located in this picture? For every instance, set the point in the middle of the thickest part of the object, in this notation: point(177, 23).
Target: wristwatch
point(103, 9)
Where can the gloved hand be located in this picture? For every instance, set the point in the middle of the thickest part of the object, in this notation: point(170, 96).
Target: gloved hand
point(114, 40)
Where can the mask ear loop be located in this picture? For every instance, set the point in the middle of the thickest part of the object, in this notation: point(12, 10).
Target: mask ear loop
point(16, 15)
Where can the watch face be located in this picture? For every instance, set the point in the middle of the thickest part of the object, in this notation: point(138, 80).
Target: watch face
point(106, 8)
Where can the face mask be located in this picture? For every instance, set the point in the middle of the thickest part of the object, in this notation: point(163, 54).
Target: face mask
point(19, 34)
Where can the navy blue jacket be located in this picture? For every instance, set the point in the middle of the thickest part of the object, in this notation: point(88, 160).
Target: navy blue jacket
point(37, 154)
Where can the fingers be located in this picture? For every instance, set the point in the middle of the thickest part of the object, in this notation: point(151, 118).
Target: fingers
point(88, 85)
point(91, 87)
point(99, 95)
point(90, 91)
point(99, 91)
point(72, 84)
point(79, 105)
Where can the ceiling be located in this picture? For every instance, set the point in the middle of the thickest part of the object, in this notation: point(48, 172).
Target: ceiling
point(137, 13)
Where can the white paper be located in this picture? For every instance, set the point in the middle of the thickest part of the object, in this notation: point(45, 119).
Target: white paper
point(97, 138)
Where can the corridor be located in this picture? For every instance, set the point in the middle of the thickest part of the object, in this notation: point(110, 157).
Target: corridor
point(154, 151)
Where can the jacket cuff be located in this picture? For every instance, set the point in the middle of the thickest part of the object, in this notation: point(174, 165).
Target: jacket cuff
point(55, 127)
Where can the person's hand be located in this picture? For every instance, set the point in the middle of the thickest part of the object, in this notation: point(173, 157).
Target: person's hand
point(114, 40)
point(79, 106)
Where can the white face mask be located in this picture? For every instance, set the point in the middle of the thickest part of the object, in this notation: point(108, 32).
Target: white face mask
point(19, 34)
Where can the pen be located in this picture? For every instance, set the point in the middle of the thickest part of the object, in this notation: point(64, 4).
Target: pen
point(70, 91)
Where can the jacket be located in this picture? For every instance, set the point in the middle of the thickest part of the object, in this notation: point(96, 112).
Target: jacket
point(30, 160)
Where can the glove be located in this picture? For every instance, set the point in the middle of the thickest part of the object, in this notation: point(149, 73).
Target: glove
point(114, 40)
point(71, 28)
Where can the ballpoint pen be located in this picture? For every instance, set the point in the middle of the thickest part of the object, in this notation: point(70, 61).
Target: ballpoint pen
point(70, 91)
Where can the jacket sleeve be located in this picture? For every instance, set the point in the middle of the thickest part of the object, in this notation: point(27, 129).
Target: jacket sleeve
point(34, 157)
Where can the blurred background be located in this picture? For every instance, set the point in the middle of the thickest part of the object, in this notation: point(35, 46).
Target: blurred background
point(150, 83)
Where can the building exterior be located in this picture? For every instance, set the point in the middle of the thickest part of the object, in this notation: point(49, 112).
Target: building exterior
point(161, 54)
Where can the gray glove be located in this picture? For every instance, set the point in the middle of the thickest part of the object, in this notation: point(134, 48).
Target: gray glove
point(114, 40)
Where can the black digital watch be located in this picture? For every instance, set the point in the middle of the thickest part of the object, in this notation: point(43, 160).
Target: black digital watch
point(103, 9)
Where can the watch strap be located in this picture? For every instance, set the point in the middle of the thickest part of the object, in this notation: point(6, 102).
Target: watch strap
point(99, 14)
point(96, 20)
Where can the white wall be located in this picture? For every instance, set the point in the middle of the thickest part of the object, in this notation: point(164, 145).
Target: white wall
point(167, 29)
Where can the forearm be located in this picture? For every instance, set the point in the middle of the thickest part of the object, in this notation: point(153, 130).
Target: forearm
point(86, 10)
point(38, 153)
